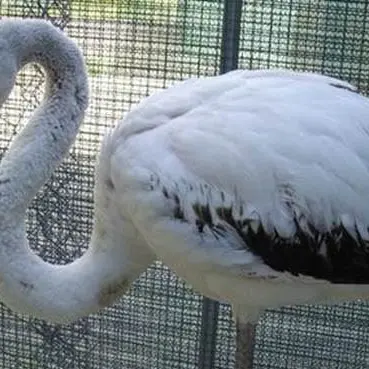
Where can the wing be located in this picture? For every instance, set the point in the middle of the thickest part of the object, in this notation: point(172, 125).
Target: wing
point(264, 173)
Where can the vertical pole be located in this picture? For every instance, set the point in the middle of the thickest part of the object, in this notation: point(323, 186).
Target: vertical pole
point(209, 323)
point(229, 61)
point(231, 35)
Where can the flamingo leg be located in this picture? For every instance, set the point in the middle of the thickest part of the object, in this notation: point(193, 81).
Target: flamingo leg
point(245, 343)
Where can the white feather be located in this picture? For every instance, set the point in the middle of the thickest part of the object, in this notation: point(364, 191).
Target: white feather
point(255, 140)
point(185, 176)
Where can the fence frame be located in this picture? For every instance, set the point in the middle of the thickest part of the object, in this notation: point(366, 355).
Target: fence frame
point(232, 17)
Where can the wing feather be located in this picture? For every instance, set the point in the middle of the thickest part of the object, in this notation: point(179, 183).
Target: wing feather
point(277, 163)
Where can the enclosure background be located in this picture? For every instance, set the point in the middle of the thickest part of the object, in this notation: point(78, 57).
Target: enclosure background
point(132, 48)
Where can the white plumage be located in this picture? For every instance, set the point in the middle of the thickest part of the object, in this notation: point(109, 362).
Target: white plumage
point(276, 148)
point(253, 186)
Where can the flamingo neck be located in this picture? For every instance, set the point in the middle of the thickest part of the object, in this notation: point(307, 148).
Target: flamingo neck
point(59, 293)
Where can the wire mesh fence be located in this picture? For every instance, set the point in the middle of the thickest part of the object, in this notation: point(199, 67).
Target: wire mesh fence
point(132, 48)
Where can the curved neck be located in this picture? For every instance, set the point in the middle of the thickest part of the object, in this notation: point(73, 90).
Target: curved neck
point(59, 293)
point(64, 293)
point(44, 142)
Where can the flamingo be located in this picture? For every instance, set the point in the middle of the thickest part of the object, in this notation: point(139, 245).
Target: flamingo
point(253, 186)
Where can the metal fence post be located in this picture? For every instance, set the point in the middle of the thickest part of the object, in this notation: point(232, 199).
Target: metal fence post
point(229, 60)
point(231, 35)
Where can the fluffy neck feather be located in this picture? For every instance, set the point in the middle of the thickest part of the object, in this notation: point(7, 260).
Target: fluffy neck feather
point(27, 283)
